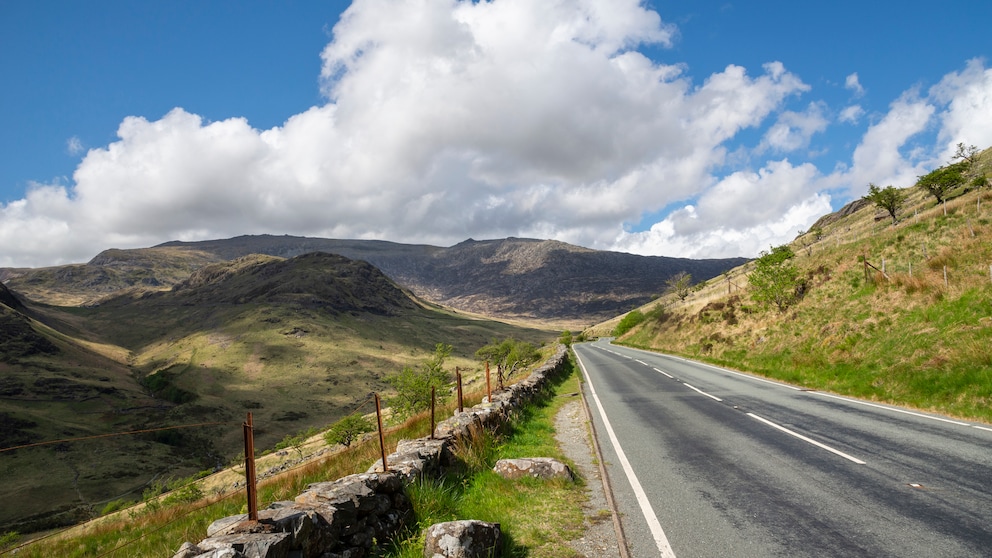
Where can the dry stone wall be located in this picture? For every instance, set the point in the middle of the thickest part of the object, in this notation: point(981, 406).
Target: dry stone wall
point(347, 517)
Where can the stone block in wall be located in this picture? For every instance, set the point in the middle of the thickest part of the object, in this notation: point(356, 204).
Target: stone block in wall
point(414, 458)
point(459, 426)
point(249, 545)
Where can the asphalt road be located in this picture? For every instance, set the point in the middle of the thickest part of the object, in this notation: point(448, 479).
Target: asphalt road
point(709, 462)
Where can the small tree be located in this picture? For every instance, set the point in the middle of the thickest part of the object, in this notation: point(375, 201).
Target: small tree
point(941, 181)
point(413, 387)
point(679, 285)
point(889, 198)
point(507, 355)
point(565, 338)
point(966, 153)
point(774, 279)
point(347, 430)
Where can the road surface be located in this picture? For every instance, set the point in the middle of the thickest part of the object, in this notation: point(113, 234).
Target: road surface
point(709, 462)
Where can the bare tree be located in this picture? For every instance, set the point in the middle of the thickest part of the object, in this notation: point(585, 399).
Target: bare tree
point(680, 285)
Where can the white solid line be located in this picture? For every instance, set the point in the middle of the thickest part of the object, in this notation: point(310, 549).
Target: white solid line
point(921, 415)
point(642, 499)
point(981, 428)
point(715, 398)
point(805, 439)
point(665, 373)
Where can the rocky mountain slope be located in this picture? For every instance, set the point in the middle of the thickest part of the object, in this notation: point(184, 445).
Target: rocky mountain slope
point(511, 278)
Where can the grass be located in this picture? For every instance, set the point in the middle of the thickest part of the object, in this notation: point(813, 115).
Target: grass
point(293, 367)
point(537, 517)
point(908, 338)
point(159, 529)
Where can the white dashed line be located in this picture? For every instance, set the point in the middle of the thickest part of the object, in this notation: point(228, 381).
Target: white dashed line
point(697, 390)
point(805, 439)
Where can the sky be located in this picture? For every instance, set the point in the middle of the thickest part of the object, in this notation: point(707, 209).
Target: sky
point(697, 129)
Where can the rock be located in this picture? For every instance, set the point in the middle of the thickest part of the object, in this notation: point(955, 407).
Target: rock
point(250, 545)
point(187, 550)
point(463, 539)
point(537, 467)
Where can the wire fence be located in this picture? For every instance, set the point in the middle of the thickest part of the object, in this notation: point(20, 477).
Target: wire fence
point(250, 488)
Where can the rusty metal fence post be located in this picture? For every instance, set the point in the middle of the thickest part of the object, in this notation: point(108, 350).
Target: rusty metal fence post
point(433, 396)
point(489, 385)
point(252, 488)
point(382, 438)
point(458, 379)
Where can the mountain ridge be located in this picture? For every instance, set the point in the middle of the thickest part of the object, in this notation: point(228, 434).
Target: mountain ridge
point(512, 278)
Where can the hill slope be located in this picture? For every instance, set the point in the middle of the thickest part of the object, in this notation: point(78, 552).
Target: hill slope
point(298, 342)
point(511, 278)
point(913, 329)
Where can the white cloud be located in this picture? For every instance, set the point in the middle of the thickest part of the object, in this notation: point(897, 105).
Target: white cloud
point(851, 114)
point(968, 116)
point(852, 83)
point(793, 130)
point(742, 214)
point(74, 146)
point(878, 158)
point(447, 119)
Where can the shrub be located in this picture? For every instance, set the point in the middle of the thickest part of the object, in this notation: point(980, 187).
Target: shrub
point(413, 387)
point(628, 322)
point(347, 430)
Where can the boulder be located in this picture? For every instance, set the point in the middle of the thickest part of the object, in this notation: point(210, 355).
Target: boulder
point(537, 467)
point(463, 539)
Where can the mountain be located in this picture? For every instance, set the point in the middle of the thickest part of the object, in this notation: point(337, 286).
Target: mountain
point(543, 280)
point(299, 342)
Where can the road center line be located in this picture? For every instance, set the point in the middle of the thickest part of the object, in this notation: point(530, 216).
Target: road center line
point(660, 540)
point(665, 373)
point(805, 439)
point(713, 397)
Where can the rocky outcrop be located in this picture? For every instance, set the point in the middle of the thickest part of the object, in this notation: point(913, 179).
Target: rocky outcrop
point(347, 517)
point(463, 539)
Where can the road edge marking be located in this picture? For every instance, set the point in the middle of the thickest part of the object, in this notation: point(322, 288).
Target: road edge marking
point(661, 541)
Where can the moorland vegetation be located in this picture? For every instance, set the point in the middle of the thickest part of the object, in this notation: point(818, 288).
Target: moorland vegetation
point(889, 299)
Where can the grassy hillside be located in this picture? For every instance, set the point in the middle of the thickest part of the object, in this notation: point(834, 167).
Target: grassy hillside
point(902, 336)
point(297, 342)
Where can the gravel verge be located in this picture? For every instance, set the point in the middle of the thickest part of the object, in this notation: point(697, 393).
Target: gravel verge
point(573, 432)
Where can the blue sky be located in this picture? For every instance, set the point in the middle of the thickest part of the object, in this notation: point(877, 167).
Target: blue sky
point(694, 129)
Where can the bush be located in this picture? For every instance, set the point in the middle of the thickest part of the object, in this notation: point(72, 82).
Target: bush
point(9, 538)
point(115, 506)
point(185, 495)
point(413, 387)
point(628, 322)
point(775, 280)
point(347, 430)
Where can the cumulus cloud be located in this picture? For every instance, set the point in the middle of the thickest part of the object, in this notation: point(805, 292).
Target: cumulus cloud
point(446, 119)
point(851, 114)
point(853, 84)
point(967, 118)
point(793, 130)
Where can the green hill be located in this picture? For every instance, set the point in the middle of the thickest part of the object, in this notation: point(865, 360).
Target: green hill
point(298, 342)
point(903, 336)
